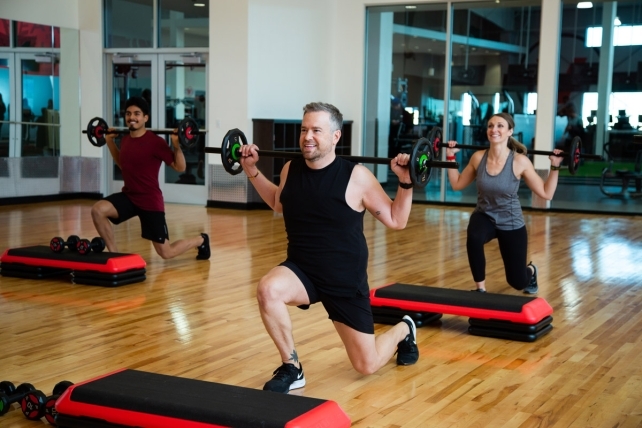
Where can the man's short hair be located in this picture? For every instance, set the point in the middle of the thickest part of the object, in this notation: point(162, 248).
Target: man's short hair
point(336, 118)
point(138, 102)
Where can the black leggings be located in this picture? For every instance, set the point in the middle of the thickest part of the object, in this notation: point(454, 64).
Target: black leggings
point(513, 245)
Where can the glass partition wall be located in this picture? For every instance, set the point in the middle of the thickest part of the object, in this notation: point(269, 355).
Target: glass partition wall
point(163, 60)
point(492, 51)
point(29, 90)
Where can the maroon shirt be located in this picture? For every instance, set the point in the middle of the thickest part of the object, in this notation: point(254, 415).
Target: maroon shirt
point(140, 162)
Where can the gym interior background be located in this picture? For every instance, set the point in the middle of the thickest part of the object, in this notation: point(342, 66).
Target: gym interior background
point(233, 64)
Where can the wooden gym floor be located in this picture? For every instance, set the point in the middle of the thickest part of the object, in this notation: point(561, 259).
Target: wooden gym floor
point(199, 319)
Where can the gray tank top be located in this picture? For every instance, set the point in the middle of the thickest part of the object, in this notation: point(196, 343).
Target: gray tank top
point(497, 195)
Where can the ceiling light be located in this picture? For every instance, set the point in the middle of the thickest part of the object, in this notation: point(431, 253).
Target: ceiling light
point(584, 5)
point(199, 3)
point(617, 21)
point(411, 7)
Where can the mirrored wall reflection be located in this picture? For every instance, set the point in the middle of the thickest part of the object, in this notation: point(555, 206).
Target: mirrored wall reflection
point(600, 101)
point(28, 35)
point(5, 33)
point(39, 111)
point(29, 90)
point(494, 68)
point(406, 49)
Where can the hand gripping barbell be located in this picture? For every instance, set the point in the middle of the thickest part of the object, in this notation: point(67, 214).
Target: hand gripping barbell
point(421, 158)
point(188, 132)
point(435, 137)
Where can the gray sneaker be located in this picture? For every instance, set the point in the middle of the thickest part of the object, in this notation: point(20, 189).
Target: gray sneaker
point(285, 378)
point(532, 287)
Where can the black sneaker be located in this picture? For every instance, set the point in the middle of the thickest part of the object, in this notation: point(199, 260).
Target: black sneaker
point(204, 250)
point(532, 287)
point(285, 378)
point(479, 290)
point(407, 351)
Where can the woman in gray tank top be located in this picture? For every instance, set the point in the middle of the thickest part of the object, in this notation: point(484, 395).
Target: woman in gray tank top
point(498, 214)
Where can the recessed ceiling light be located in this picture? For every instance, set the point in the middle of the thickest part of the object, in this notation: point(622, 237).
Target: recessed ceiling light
point(584, 5)
point(411, 7)
point(199, 4)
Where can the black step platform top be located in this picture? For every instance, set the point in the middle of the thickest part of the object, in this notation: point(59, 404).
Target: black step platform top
point(446, 296)
point(192, 400)
point(44, 252)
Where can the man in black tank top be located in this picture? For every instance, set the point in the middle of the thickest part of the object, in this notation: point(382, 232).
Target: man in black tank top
point(323, 199)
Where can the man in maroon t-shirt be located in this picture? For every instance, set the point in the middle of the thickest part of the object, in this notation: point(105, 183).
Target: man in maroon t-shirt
point(140, 157)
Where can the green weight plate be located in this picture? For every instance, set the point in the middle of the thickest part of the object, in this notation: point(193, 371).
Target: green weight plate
point(420, 157)
point(230, 150)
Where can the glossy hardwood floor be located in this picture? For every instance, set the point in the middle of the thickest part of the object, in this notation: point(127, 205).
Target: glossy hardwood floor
point(199, 319)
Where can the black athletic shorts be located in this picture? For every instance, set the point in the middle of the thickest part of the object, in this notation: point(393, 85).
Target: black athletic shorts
point(355, 312)
point(152, 223)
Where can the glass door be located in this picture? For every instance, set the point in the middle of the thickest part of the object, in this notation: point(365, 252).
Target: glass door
point(29, 103)
point(175, 87)
point(132, 75)
point(183, 78)
point(38, 104)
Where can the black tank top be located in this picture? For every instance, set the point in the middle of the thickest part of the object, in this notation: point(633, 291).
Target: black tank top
point(325, 235)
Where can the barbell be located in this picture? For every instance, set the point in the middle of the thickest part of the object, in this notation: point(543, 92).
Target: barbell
point(421, 157)
point(188, 132)
point(574, 156)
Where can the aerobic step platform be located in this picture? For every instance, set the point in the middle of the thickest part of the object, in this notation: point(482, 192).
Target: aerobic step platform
point(493, 315)
point(132, 398)
point(106, 269)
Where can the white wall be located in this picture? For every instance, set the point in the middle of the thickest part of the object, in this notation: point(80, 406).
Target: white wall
point(91, 70)
point(227, 100)
point(290, 58)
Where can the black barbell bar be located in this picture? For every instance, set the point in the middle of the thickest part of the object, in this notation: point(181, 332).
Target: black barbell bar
point(188, 132)
point(435, 137)
point(421, 158)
